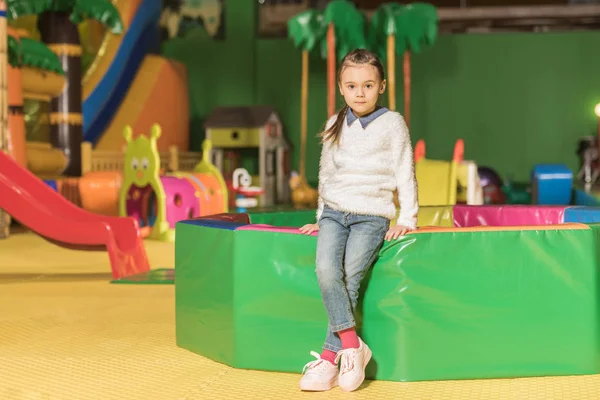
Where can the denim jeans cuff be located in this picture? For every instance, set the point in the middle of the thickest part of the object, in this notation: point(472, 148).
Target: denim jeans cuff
point(330, 347)
point(342, 327)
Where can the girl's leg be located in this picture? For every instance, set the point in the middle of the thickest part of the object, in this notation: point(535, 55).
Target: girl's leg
point(367, 234)
point(322, 373)
point(331, 246)
point(346, 248)
point(344, 339)
point(364, 241)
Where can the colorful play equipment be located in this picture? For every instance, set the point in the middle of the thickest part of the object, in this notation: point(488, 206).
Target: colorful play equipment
point(446, 182)
point(36, 205)
point(127, 84)
point(159, 201)
point(488, 302)
point(247, 196)
point(469, 189)
point(36, 74)
point(257, 128)
point(551, 184)
point(492, 185)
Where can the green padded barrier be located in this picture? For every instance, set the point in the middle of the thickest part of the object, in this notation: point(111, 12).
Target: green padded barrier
point(428, 216)
point(284, 218)
point(485, 305)
point(452, 305)
point(204, 291)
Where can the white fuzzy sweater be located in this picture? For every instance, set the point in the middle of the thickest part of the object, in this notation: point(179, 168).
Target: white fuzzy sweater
point(360, 173)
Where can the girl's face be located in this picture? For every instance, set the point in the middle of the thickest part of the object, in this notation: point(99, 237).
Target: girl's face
point(361, 86)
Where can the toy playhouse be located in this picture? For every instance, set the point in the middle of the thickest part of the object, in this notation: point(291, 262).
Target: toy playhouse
point(251, 132)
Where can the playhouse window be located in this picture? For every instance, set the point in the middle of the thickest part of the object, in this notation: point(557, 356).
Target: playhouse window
point(272, 130)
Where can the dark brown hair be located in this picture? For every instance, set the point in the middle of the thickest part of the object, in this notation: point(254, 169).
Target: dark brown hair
point(355, 57)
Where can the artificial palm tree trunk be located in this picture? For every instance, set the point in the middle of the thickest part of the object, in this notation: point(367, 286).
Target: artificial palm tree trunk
point(407, 82)
point(391, 67)
point(4, 217)
point(303, 112)
point(66, 118)
point(330, 70)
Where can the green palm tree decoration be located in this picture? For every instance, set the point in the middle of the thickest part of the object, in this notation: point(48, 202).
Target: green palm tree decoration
point(14, 51)
point(339, 29)
point(57, 23)
point(306, 30)
point(345, 27)
point(402, 29)
point(26, 52)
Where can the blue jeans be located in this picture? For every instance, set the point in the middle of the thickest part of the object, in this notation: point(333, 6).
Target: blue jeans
point(347, 247)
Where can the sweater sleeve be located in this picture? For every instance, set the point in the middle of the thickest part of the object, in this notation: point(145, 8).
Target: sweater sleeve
point(326, 167)
point(405, 175)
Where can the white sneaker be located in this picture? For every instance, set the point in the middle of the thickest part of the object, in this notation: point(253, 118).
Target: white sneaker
point(352, 366)
point(319, 375)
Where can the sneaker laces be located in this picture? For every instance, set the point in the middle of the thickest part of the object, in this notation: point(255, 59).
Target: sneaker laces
point(314, 363)
point(347, 363)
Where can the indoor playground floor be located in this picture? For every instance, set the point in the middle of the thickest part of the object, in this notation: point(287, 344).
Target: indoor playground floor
point(67, 333)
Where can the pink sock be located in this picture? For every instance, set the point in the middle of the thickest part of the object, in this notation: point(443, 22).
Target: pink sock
point(328, 355)
point(349, 339)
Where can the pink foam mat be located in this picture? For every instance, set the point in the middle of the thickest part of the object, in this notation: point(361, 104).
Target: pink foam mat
point(507, 215)
point(271, 228)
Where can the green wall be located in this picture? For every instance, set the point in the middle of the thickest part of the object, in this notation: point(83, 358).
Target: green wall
point(219, 72)
point(516, 99)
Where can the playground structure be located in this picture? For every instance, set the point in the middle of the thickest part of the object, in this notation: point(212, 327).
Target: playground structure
point(35, 205)
point(234, 131)
point(446, 182)
point(159, 201)
point(124, 85)
point(156, 188)
point(150, 203)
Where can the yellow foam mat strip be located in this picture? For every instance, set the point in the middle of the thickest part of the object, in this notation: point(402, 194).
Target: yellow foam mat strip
point(65, 333)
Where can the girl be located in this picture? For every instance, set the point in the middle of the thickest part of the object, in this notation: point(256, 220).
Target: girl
point(366, 156)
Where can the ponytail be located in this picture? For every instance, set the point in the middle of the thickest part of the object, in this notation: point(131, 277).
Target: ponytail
point(334, 132)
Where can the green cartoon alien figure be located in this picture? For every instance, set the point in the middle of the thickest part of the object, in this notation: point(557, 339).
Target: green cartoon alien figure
point(141, 182)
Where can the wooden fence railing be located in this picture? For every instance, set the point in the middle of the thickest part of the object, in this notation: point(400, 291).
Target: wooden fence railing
point(102, 160)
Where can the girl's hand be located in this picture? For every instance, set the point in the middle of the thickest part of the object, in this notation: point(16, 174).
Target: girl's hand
point(309, 228)
point(396, 231)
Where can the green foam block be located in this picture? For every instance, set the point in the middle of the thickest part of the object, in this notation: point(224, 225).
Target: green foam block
point(436, 306)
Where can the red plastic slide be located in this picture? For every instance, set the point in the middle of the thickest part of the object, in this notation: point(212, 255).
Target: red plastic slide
point(39, 207)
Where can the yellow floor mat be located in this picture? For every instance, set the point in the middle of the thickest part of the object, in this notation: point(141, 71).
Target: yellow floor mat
point(66, 333)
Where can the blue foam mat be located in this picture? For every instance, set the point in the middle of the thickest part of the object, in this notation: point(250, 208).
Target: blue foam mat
point(582, 214)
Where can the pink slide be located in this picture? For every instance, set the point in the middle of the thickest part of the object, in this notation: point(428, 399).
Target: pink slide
point(35, 205)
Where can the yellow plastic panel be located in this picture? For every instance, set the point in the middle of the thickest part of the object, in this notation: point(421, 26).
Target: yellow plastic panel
point(436, 216)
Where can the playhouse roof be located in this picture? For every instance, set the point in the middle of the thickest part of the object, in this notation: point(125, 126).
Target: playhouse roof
point(238, 117)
